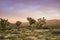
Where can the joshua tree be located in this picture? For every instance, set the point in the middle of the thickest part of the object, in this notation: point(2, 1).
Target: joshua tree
point(41, 22)
point(4, 23)
point(31, 20)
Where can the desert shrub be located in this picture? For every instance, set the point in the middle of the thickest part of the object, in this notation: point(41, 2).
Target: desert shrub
point(18, 23)
point(55, 31)
point(52, 26)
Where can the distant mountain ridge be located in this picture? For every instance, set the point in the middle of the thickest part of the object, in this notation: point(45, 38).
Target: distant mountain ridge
point(54, 21)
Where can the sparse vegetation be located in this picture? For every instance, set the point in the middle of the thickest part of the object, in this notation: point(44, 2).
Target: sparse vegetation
point(37, 30)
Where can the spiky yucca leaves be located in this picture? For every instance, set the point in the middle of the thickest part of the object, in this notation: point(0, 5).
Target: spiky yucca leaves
point(18, 23)
point(41, 22)
point(31, 20)
point(4, 23)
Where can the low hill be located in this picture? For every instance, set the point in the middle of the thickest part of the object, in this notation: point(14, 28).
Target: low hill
point(55, 21)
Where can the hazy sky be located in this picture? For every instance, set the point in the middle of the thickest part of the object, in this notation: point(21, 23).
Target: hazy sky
point(20, 9)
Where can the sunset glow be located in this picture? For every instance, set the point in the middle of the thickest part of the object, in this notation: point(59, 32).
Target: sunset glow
point(21, 9)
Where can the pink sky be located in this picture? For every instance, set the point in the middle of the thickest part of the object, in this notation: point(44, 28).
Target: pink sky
point(20, 9)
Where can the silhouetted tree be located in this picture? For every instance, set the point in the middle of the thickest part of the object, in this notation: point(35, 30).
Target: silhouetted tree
point(31, 20)
point(4, 23)
point(41, 22)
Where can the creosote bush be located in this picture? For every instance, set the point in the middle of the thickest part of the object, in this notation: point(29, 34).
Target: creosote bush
point(18, 23)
